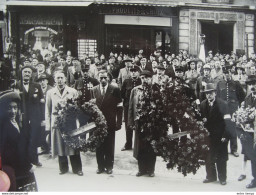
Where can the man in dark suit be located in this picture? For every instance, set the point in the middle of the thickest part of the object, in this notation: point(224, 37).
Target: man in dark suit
point(215, 114)
point(32, 115)
point(126, 89)
point(233, 94)
point(108, 99)
point(144, 65)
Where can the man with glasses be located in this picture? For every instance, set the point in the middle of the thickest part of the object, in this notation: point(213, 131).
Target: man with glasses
point(109, 101)
point(126, 89)
point(143, 151)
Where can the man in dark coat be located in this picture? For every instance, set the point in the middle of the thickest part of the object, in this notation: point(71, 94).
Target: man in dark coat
point(109, 101)
point(32, 115)
point(233, 94)
point(215, 113)
point(126, 89)
point(143, 151)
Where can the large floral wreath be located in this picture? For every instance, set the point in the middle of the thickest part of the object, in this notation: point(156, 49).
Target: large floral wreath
point(66, 114)
point(162, 108)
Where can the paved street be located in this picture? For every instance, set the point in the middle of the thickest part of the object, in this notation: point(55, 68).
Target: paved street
point(124, 179)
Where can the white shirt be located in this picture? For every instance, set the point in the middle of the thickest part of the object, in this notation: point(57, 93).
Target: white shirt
point(26, 86)
point(105, 88)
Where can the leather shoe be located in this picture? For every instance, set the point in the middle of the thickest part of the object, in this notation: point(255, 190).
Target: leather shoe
point(209, 180)
point(235, 154)
point(223, 183)
point(251, 185)
point(80, 173)
point(151, 174)
point(241, 177)
point(38, 164)
point(124, 148)
point(139, 174)
point(99, 171)
point(109, 171)
point(62, 172)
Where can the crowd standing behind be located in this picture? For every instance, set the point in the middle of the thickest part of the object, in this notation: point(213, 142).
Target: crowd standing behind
point(223, 77)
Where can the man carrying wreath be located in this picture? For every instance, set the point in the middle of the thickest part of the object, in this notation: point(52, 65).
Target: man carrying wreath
point(143, 151)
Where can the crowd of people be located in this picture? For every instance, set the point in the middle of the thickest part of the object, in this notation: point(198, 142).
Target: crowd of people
point(218, 86)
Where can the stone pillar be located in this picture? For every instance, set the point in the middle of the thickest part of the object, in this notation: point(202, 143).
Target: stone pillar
point(184, 30)
point(249, 31)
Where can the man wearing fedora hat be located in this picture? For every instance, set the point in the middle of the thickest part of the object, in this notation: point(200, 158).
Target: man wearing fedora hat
point(202, 81)
point(126, 89)
point(143, 151)
point(40, 69)
point(31, 108)
point(160, 77)
point(214, 113)
point(233, 94)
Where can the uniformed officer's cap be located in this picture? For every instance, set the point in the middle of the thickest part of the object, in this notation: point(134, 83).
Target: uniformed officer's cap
point(135, 68)
point(75, 59)
point(160, 66)
point(146, 73)
point(178, 69)
point(226, 69)
point(86, 66)
point(251, 79)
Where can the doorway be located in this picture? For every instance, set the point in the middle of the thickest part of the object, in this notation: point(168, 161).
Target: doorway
point(130, 39)
point(219, 37)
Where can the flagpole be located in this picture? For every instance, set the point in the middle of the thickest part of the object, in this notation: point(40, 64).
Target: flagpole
point(202, 49)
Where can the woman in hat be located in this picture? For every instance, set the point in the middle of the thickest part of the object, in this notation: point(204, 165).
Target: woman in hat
point(14, 143)
point(191, 75)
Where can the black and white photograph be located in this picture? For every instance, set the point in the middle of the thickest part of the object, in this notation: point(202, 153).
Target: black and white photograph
point(128, 96)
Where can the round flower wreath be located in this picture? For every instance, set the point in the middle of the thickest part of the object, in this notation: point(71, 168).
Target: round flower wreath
point(161, 107)
point(66, 115)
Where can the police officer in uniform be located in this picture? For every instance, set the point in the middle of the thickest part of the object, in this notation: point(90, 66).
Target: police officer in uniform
point(233, 94)
point(84, 84)
point(126, 89)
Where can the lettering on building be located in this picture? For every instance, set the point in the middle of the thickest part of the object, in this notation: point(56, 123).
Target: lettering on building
point(41, 19)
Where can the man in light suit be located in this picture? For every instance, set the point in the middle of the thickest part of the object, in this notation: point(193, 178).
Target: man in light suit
point(124, 72)
point(109, 101)
point(58, 94)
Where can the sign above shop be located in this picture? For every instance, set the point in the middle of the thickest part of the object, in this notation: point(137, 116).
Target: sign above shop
point(41, 19)
point(137, 10)
point(218, 1)
point(41, 28)
point(138, 20)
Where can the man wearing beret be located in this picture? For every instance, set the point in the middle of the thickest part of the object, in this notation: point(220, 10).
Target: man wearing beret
point(126, 89)
point(32, 115)
point(143, 151)
point(109, 101)
point(233, 94)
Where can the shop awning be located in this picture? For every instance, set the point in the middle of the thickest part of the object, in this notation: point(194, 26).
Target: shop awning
point(140, 3)
point(48, 3)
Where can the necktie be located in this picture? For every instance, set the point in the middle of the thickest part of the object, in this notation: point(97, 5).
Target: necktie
point(103, 91)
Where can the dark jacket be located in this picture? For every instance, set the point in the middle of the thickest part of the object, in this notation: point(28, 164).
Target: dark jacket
point(109, 104)
point(216, 125)
point(232, 92)
point(126, 89)
point(13, 148)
